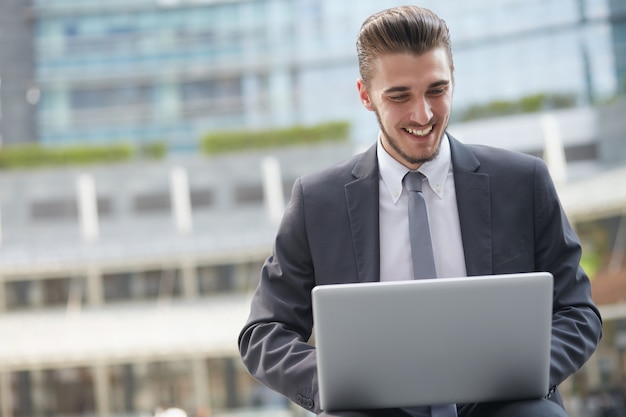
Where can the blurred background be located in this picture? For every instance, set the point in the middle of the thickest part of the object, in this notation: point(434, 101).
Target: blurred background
point(148, 148)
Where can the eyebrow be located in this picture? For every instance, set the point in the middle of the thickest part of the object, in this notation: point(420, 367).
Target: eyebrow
point(402, 89)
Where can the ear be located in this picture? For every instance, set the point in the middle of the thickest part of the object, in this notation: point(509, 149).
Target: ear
point(364, 95)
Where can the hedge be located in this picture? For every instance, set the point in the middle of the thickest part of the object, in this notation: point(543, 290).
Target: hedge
point(35, 155)
point(231, 141)
point(528, 104)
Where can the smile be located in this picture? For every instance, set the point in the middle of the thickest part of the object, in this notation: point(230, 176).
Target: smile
point(417, 132)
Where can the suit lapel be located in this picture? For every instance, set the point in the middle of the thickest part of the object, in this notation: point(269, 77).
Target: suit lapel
point(362, 202)
point(473, 196)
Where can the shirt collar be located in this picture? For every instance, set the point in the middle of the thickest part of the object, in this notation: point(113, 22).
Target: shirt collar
point(392, 172)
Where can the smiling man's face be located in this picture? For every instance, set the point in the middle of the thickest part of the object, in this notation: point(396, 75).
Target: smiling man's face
point(411, 96)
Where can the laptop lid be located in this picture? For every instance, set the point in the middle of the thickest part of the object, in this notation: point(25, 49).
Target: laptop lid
point(424, 342)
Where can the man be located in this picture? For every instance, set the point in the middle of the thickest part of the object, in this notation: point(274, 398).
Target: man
point(490, 212)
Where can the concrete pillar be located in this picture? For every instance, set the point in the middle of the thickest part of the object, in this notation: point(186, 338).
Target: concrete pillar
point(3, 295)
point(273, 189)
point(88, 208)
point(189, 279)
point(181, 200)
point(102, 390)
point(95, 295)
point(6, 405)
point(200, 375)
point(554, 153)
point(37, 392)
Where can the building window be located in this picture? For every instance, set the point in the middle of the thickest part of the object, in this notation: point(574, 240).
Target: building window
point(248, 277)
point(222, 384)
point(19, 294)
point(216, 278)
point(105, 206)
point(22, 399)
point(151, 203)
point(67, 392)
point(143, 285)
point(123, 96)
point(54, 209)
point(201, 198)
point(70, 392)
point(231, 387)
point(248, 194)
point(117, 286)
point(63, 291)
point(163, 384)
point(64, 209)
point(122, 386)
point(228, 277)
point(222, 96)
point(48, 292)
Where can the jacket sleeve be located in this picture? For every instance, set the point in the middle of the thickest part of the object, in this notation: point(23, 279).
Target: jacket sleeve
point(274, 341)
point(576, 322)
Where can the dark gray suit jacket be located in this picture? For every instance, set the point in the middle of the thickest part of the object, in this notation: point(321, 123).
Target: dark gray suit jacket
point(511, 221)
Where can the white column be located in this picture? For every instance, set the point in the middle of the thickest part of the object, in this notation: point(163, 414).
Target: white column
point(273, 189)
point(95, 297)
point(189, 279)
point(181, 200)
point(200, 377)
point(87, 207)
point(3, 296)
point(554, 154)
point(101, 387)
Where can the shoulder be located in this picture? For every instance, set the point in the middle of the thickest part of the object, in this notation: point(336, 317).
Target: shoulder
point(494, 156)
point(494, 160)
point(343, 172)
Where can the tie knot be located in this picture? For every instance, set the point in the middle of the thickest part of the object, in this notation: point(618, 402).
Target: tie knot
point(413, 181)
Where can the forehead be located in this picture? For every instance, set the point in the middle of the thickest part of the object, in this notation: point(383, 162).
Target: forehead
point(411, 70)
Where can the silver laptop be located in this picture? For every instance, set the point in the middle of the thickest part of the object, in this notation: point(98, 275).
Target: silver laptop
point(424, 342)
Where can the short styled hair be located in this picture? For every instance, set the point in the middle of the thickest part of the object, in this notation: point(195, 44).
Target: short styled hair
point(403, 29)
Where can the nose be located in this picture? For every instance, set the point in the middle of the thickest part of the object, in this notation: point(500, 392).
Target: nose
point(422, 111)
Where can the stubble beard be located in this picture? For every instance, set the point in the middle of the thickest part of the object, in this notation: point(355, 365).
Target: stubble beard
point(411, 160)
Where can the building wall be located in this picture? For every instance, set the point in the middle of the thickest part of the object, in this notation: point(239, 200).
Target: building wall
point(19, 90)
point(131, 383)
point(173, 70)
point(618, 30)
point(142, 314)
point(112, 306)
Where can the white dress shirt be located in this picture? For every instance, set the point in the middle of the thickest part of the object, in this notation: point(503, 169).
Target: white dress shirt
point(443, 216)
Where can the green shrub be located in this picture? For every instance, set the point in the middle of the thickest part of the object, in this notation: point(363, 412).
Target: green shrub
point(231, 141)
point(528, 104)
point(153, 150)
point(34, 155)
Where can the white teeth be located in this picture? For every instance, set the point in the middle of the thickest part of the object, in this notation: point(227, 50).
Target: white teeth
point(417, 132)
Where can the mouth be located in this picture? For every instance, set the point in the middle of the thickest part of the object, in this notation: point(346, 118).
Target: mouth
point(419, 132)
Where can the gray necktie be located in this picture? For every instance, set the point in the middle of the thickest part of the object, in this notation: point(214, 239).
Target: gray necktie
point(422, 253)
point(419, 231)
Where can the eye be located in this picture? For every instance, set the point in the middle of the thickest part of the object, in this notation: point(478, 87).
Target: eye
point(399, 98)
point(437, 91)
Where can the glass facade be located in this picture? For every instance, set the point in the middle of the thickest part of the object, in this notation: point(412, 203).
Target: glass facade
point(145, 316)
point(172, 70)
point(138, 389)
point(199, 384)
point(144, 70)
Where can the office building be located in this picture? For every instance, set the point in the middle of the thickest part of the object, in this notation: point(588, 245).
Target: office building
point(123, 286)
point(90, 71)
